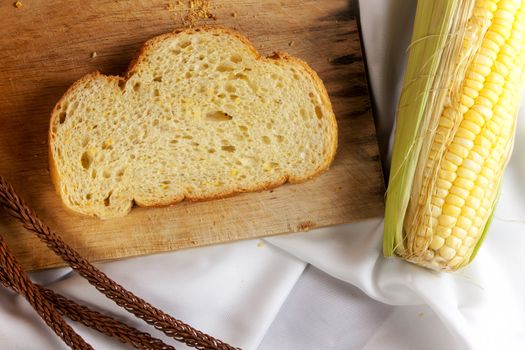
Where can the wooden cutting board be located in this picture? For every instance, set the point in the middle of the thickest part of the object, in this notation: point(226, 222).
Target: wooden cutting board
point(46, 45)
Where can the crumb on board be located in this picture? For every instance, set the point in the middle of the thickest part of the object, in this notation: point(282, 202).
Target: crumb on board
point(421, 314)
point(93, 54)
point(291, 43)
point(305, 226)
point(198, 10)
point(260, 244)
point(18, 4)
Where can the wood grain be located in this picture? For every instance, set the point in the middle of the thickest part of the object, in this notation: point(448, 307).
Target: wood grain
point(47, 45)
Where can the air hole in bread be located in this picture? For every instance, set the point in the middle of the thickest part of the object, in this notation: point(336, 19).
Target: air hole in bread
point(188, 74)
point(279, 138)
point(266, 140)
point(136, 87)
point(318, 112)
point(157, 79)
point(62, 117)
point(175, 51)
point(243, 128)
point(86, 159)
point(94, 174)
point(156, 92)
point(85, 142)
point(205, 66)
point(219, 116)
point(173, 142)
point(89, 196)
point(201, 57)
point(107, 200)
point(221, 95)
point(230, 149)
point(185, 44)
point(211, 151)
point(122, 84)
point(106, 174)
point(241, 76)
point(108, 144)
point(303, 114)
point(195, 144)
point(230, 88)
point(187, 137)
point(236, 58)
point(224, 68)
point(296, 77)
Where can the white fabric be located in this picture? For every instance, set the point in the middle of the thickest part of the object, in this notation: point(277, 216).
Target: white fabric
point(248, 294)
point(233, 290)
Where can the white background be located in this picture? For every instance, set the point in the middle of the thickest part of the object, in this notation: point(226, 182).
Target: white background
point(329, 288)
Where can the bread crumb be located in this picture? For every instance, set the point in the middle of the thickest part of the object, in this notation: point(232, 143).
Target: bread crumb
point(93, 54)
point(18, 4)
point(198, 9)
point(260, 244)
point(291, 43)
point(305, 226)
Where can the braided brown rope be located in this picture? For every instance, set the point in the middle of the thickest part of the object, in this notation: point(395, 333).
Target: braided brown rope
point(102, 323)
point(172, 327)
point(74, 311)
point(20, 282)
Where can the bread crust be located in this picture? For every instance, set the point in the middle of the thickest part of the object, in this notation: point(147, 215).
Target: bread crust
point(140, 55)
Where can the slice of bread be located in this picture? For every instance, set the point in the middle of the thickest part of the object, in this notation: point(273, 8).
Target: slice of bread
point(199, 115)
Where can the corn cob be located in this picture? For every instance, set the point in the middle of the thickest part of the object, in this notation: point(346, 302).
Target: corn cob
point(455, 128)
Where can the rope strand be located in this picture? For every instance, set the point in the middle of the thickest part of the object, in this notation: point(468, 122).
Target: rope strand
point(172, 327)
point(19, 281)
